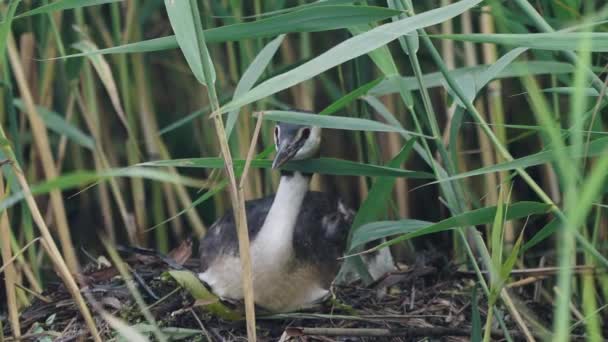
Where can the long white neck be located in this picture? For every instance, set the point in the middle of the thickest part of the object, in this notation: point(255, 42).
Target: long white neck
point(277, 231)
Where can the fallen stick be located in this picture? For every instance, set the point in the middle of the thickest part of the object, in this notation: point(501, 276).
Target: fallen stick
point(403, 332)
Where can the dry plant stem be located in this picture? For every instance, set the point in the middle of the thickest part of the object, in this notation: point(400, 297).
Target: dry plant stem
point(10, 275)
point(101, 163)
point(156, 149)
point(412, 332)
point(251, 152)
point(495, 105)
point(238, 204)
point(236, 194)
point(46, 156)
point(484, 144)
point(16, 256)
point(49, 243)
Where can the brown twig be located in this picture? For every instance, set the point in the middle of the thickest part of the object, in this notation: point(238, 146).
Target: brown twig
point(410, 332)
point(251, 151)
point(541, 271)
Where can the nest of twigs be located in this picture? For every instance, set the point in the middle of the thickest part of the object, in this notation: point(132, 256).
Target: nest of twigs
point(423, 300)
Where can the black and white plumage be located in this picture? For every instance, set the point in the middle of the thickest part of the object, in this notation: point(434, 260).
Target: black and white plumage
point(297, 236)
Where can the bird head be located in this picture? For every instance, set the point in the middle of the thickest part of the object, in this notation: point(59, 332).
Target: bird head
point(295, 142)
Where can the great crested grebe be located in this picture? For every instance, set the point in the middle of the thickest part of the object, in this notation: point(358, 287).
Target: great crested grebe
point(297, 236)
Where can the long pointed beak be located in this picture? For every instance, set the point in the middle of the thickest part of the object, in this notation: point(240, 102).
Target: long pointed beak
point(284, 154)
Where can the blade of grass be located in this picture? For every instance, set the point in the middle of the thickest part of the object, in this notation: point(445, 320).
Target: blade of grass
point(57, 123)
point(335, 122)
point(409, 229)
point(436, 79)
point(316, 19)
point(329, 166)
point(559, 41)
point(251, 76)
point(62, 5)
point(349, 49)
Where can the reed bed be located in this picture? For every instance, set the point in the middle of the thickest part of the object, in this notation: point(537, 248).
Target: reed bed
point(468, 130)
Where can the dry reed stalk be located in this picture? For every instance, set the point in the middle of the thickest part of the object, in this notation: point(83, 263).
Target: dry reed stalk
point(487, 153)
point(393, 146)
point(253, 187)
point(495, 107)
point(10, 274)
point(101, 163)
point(238, 205)
point(48, 242)
point(236, 194)
point(183, 197)
point(46, 96)
point(152, 141)
point(41, 140)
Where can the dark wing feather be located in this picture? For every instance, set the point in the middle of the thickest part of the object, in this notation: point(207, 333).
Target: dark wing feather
point(321, 233)
point(221, 238)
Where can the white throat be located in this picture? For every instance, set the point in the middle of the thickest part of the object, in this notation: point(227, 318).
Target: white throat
point(276, 234)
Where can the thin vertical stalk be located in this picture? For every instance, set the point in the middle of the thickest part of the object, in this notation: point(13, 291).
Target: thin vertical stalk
point(501, 149)
point(10, 274)
point(54, 253)
point(494, 94)
point(236, 193)
point(137, 185)
point(487, 154)
point(46, 156)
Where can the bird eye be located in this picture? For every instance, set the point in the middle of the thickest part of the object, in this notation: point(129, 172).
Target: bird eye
point(305, 133)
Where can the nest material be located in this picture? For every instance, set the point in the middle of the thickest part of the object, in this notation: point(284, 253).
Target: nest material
point(423, 300)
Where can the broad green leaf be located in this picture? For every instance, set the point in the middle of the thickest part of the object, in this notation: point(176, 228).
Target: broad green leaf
point(381, 229)
point(173, 333)
point(125, 332)
point(410, 38)
point(380, 193)
point(57, 123)
point(380, 56)
point(207, 195)
point(480, 80)
point(61, 5)
point(559, 41)
point(571, 90)
point(435, 79)
point(595, 148)
point(335, 122)
point(190, 282)
point(375, 203)
point(547, 231)
point(350, 97)
point(251, 76)
point(328, 166)
point(184, 120)
point(349, 49)
point(85, 178)
point(408, 229)
point(5, 26)
point(186, 28)
point(315, 19)
point(291, 9)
